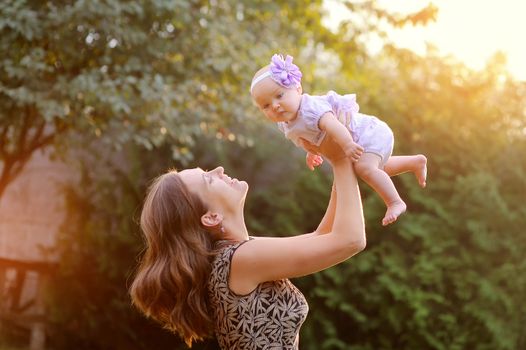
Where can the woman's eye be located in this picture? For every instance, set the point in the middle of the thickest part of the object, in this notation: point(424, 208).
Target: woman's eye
point(280, 95)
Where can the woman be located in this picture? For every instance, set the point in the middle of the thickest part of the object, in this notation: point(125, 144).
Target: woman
point(202, 273)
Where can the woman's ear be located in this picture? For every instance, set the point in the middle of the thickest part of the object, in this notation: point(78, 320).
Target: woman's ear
point(211, 220)
point(300, 89)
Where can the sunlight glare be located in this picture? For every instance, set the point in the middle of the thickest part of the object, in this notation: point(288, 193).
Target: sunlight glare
point(472, 31)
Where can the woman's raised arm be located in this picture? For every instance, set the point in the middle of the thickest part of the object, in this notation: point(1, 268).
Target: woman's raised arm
point(271, 259)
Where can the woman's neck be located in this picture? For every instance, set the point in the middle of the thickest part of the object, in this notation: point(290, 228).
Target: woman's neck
point(235, 228)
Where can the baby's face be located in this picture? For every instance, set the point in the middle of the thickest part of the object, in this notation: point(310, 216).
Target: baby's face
point(278, 103)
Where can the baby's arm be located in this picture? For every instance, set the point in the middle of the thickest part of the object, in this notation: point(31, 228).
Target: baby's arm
point(339, 133)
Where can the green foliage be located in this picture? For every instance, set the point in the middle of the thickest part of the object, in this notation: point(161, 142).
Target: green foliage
point(145, 72)
point(173, 76)
point(450, 273)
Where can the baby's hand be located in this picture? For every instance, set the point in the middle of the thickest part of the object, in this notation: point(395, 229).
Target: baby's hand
point(353, 151)
point(313, 160)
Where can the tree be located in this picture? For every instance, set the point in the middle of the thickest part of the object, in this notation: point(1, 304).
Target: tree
point(138, 71)
point(449, 273)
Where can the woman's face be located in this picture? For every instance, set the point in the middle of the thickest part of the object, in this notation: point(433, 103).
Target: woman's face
point(217, 190)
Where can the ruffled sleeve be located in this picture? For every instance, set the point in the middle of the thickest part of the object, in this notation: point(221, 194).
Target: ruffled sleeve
point(312, 109)
point(343, 103)
point(345, 108)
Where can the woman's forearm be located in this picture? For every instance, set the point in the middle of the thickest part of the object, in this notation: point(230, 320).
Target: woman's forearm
point(348, 221)
point(325, 225)
point(344, 215)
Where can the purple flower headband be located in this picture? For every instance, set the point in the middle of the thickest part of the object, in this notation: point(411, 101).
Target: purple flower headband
point(282, 71)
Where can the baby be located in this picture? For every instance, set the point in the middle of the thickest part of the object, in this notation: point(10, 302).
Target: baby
point(366, 140)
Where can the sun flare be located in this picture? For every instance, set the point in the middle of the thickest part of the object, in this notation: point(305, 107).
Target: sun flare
point(473, 31)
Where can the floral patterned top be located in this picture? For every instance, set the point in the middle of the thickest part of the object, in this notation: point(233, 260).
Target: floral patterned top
point(269, 317)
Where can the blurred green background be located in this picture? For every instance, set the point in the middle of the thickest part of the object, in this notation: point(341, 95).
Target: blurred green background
point(127, 89)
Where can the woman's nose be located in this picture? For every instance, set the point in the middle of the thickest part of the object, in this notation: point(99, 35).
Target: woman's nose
point(220, 170)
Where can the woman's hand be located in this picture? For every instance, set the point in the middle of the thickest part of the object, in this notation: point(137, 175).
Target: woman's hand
point(328, 148)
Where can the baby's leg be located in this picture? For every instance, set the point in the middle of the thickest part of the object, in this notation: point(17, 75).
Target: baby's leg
point(367, 168)
point(417, 164)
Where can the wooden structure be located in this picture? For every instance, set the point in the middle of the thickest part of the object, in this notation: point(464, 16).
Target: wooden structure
point(22, 303)
point(31, 212)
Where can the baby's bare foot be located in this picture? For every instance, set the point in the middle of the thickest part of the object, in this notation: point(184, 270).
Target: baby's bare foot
point(394, 210)
point(421, 171)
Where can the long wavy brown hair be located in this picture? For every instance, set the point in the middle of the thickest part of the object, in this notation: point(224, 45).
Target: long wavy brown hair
point(170, 285)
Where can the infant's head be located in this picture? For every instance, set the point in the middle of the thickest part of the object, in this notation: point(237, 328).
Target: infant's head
point(276, 89)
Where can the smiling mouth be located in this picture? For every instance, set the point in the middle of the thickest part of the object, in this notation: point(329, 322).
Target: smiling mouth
point(231, 180)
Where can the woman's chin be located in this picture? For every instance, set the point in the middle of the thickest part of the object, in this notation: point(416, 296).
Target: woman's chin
point(243, 186)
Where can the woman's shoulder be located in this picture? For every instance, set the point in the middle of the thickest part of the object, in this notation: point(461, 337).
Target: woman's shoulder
point(220, 267)
point(223, 251)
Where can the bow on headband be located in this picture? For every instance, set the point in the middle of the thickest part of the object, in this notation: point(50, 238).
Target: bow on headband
point(282, 71)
